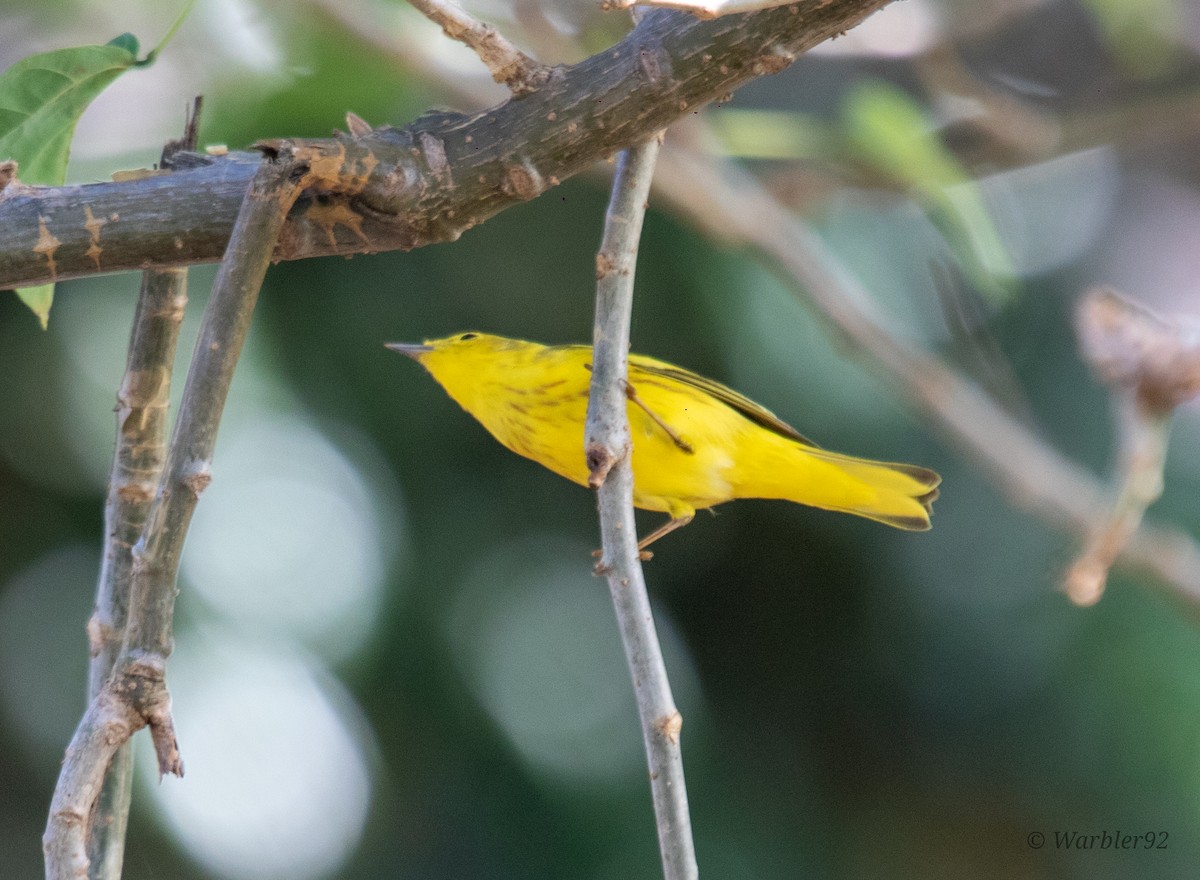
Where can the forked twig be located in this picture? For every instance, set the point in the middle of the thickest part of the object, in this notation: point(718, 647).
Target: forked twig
point(1152, 365)
point(137, 468)
point(608, 446)
point(141, 447)
point(135, 694)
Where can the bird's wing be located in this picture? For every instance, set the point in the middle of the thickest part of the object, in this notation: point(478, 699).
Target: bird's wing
point(760, 415)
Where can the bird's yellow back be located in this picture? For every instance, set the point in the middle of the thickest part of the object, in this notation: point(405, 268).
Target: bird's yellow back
point(696, 443)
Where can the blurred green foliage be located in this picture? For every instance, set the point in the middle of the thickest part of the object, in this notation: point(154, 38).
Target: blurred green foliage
point(857, 702)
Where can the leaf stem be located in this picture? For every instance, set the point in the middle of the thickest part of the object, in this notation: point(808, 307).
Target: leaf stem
point(162, 44)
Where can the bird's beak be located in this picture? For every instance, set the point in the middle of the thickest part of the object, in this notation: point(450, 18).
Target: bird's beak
point(413, 349)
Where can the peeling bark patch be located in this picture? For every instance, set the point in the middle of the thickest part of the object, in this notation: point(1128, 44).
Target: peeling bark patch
point(655, 65)
point(97, 635)
point(324, 168)
point(435, 157)
point(332, 214)
point(604, 265)
point(47, 245)
point(93, 225)
point(359, 175)
point(136, 493)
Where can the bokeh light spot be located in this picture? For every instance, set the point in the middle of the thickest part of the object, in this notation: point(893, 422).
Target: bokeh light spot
point(278, 783)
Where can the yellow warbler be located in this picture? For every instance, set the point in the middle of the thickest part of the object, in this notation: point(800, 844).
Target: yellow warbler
point(696, 443)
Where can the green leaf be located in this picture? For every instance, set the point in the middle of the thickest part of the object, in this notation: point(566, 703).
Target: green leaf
point(38, 299)
point(41, 100)
point(888, 130)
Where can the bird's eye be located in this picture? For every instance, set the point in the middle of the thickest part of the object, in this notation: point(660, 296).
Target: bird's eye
point(467, 336)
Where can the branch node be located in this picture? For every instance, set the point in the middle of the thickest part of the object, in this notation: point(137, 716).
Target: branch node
point(197, 477)
point(600, 461)
point(356, 125)
point(669, 726)
point(8, 174)
point(136, 492)
point(523, 181)
point(98, 634)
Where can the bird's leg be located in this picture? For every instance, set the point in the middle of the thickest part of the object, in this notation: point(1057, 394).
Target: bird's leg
point(665, 529)
point(632, 394)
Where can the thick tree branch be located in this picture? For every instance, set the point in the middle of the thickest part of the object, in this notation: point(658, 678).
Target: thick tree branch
point(435, 178)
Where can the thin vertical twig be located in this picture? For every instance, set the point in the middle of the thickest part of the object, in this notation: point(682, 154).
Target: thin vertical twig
point(142, 403)
point(608, 447)
point(135, 694)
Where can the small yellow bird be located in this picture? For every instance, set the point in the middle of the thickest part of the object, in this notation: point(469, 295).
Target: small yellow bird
point(696, 443)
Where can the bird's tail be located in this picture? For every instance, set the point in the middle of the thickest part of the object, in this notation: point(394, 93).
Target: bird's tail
point(899, 495)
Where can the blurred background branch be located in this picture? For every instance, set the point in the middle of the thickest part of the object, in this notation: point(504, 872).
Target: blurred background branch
point(1153, 367)
point(731, 205)
point(507, 63)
